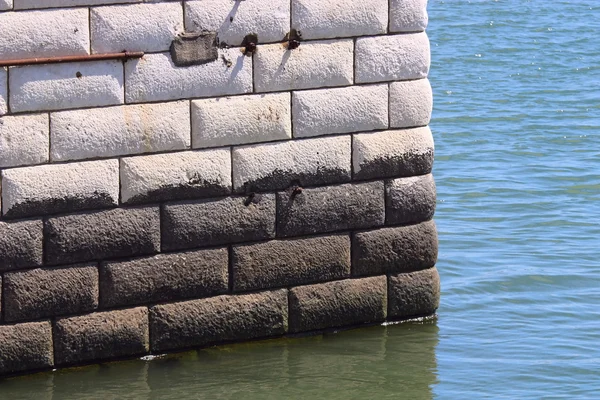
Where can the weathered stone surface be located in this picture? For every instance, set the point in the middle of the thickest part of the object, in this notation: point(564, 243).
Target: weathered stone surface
point(408, 15)
point(23, 138)
point(411, 103)
point(21, 244)
point(25, 347)
point(338, 303)
point(164, 277)
point(218, 319)
point(3, 91)
point(390, 250)
point(6, 4)
point(194, 48)
point(27, 4)
point(121, 232)
point(213, 222)
point(414, 294)
point(102, 335)
point(54, 188)
point(281, 263)
point(48, 292)
point(175, 176)
point(392, 154)
point(332, 208)
point(410, 200)
point(276, 166)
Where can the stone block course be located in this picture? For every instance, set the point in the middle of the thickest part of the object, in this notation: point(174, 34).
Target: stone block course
point(338, 303)
point(411, 103)
point(101, 235)
point(102, 335)
point(136, 27)
point(281, 263)
point(3, 91)
point(317, 19)
point(410, 200)
point(276, 166)
point(25, 347)
point(218, 319)
point(30, 4)
point(234, 20)
point(394, 153)
point(241, 120)
point(164, 277)
point(118, 131)
point(391, 58)
point(23, 140)
point(331, 208)
point(176, 176)
point(392, 250)
point(21, 244)
point(324, 63)
point(40, 293)
point(340, 110)
point(47, 33)
point(408, 15)
point(65, 86)
point(204, 223)
point(414, 294)
point(48, 189)
point(156, 78)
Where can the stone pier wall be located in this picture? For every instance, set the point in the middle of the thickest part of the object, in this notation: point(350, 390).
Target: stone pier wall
point(263, 170)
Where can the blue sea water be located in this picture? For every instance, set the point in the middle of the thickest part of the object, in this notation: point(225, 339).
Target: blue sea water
point(517, 128)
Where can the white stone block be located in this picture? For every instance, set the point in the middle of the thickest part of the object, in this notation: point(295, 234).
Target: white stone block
point(155, 78)
point(340, 110)
point(121, 130)
point(408, 15)
point(6, 4)
point(390, 58)
point(241, 120)
point(29, 4)
point(275, 166)
point(318, 19)
point(64, 86)
point(46, 189)
point(233, 20)
point(137, 27)
point(184, 175)
point(44, 33)
point(315, 64)
point(23, 140)
point(3, 91)
point(411, 103)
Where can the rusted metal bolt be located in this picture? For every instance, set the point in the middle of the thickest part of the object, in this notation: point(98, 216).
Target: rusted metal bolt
point(293, 44)
point(249, 199)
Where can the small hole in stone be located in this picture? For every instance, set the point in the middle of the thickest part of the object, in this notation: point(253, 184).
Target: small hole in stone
point(78, 74)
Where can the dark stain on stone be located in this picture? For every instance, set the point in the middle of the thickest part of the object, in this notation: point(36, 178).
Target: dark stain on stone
point(228, 63)
point(78, 74)
point(249, 44)
point(196, 189)
point(194, 48)
point(293, 39)
point(409, 164)
point(280, 180)
point(58, 205)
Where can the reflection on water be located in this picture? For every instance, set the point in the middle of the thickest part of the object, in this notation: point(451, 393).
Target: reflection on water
point(375, 362)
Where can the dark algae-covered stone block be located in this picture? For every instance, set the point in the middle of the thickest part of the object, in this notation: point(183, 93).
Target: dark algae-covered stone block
point(164, 277)
point(414, 294)
point(410, 200)
point(281, 263)
point(399, 249)
point(21, 244)
point(25, 347)
point(218, 319)
point(338, 303)
point(194, 48)
point(102, 335)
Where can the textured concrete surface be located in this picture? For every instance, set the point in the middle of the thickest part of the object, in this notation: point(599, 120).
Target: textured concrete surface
point(175, 176)
point(241, 120)
point(25, 347)
point(277, 166)
point(332, 208)
point(206, 223)
point(391, 154)
point(410, 200)
point(399, 249)
point(338, 303)
point(23, 140)
point(102, 335)
point(218, 319)
point(282, 263)
point(164, 277)
point(121, 232)
point(49, 292)
point(21, 244)
point(411, 103)
point(408, 15)
point(340, 110)
point(414, 293)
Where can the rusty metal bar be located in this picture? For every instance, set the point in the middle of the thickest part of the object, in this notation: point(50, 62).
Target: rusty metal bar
point(55, 60)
